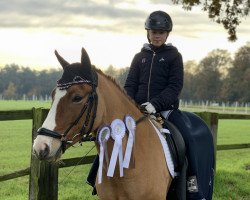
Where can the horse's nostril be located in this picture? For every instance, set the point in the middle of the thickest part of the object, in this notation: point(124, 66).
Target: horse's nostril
point(43, 153)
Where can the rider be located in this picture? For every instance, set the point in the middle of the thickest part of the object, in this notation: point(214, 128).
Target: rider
point(155, 81)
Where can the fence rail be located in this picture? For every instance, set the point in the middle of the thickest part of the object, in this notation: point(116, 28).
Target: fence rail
point(69, 162)
point(43, 182)
point(15, 115)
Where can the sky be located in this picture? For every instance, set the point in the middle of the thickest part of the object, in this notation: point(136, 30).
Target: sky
point(112, 31)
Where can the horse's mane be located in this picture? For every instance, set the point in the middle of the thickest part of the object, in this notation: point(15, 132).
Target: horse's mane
point(112, 79)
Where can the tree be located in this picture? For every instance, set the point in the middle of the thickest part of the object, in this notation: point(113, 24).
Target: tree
point(122, 76)
point(191, 67)
point(25, 80)
point(17, 81)
point(236, 86)
point(10, 92)
point(46, 81)
point(210, 75)
point(218, 59)
point(111, 71)
point(190, 71)
point(225, 12)
point(8, 74)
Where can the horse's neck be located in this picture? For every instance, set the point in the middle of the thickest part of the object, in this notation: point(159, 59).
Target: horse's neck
point(115, 103)
point(147, 151)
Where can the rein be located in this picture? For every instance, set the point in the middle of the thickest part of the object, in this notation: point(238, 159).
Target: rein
point(141, 119)
point(89, 106)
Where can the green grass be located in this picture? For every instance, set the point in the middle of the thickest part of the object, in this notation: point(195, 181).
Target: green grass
point(15, 150)
point(233, 132)
point(15, 144)
point(231, 180)
point(232, 175)
point(22, 105)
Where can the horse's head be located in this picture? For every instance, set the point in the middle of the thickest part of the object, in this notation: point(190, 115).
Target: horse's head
point(72, 114)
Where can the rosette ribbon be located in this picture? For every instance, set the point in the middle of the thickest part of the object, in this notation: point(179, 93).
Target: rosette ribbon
point(131, 125)
point(117, 133)
point(103, 137)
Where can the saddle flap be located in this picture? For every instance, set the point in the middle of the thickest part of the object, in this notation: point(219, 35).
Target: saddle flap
point(177, 145)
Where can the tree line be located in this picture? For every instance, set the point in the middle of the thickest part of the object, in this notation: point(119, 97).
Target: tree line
point(217, 77)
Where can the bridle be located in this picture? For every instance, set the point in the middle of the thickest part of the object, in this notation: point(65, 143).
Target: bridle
point(89, 107)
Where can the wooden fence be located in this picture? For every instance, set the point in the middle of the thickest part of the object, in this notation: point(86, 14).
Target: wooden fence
point(43, 182)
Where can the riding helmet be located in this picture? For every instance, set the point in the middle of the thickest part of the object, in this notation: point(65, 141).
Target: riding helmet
point(159, 20)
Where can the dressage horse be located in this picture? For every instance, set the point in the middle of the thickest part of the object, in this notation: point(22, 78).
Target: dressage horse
point(85, 99)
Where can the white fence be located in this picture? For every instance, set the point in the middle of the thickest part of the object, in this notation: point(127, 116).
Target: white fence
point(212, 106)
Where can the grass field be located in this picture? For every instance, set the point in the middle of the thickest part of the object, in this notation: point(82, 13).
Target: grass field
point(231, 180)
point(22, 105)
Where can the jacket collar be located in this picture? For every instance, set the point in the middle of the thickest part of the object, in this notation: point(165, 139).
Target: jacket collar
point(150, 47)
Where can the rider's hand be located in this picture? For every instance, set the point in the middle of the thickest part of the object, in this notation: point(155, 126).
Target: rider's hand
point(148, 108)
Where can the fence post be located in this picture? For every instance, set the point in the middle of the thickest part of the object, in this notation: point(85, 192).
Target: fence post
point(43, 183)
point(212, 120)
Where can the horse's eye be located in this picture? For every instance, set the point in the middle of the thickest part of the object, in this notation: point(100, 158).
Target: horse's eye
point(77, 99)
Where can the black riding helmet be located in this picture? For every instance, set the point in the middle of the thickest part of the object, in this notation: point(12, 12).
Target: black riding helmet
point(159, 20)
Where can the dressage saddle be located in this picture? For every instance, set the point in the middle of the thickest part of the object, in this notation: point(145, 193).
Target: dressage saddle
point(177, 149)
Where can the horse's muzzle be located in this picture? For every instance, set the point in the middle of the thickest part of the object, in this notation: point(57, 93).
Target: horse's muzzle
point(47, 148)
point(43, 153)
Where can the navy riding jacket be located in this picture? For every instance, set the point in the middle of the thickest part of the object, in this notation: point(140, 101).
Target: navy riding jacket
point(156, 76)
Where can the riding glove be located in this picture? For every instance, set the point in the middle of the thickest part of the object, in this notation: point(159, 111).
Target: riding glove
point(148, 108)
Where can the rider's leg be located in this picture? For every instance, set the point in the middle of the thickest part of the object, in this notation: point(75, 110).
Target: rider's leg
point(93, 173)
point(200, 155)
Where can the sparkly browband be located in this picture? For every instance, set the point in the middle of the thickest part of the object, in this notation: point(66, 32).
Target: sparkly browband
point(76, 80)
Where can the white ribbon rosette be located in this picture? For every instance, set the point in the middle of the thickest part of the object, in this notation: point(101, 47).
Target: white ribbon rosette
point(103, 136)
point(131, 125)
point(118, 132)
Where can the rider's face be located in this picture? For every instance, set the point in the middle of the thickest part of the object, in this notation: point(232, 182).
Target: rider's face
point(157, 37)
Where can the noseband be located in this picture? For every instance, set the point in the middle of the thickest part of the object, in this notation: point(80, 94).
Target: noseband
point(89, 107)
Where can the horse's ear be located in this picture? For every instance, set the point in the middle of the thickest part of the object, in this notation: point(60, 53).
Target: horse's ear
point(85, 58)
point(63, 62)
